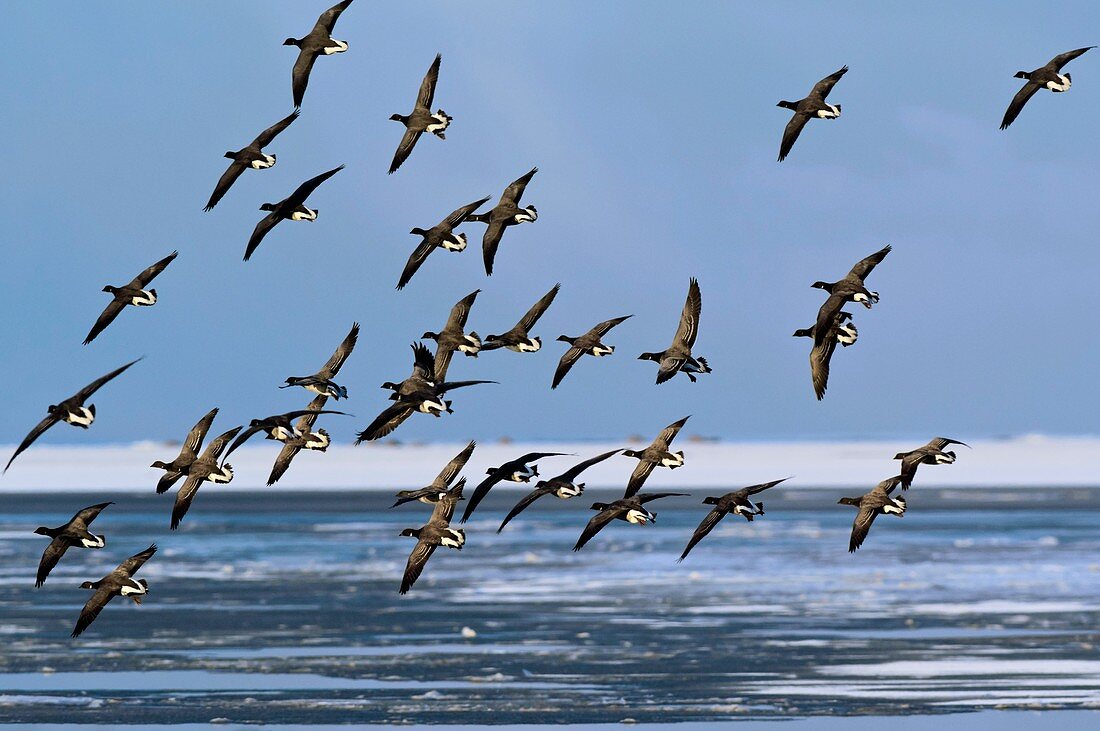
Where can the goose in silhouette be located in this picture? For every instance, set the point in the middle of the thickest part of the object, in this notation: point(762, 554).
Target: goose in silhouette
point(75, 533)
point(587, 344)
point(251, 156)
point(422, 119)
point(813, 106)
point(872, 504)
point(736, 502)
point(1044, 77)
point(506, 213)
point(291, 208)
point(303, 438)
point(277, 427)
point(519, 338)
point(563, 486)
point(133, 293)
point(189, 452)
point(656, 454)
point(519, 469)
point(203, 469)
point(439, 236)
point(931, 453)
point(628, 509)
point(72, 411)
point(677, 358)
point(433, 534)
point(452, 337)
point(321, 382)
point(319, 42)
point(119, 582)
point(431, 493)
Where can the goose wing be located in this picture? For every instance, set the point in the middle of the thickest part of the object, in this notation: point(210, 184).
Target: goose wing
point(490, 241)
point(419, 256)
point(164, 484)
point(225, 182)
point(523, 504)
point(605, 327)
point(299, 75)
point(303, 191)
point(110, 312)
point(820, 356)
point(865, 266)
point(822, 88)
point(479, 494)
point(404, 148)
point(92, 609)
point(638, 477)
point(754, 489)
point(1018, 102)
point(264, 138)
point(705, 527)
point(215, 448)
point(50, 557)
point(514, 191)
point(448, 474)
point(568, 360)
point(441, 362)
point(443, 388)
point(597, 523)
point(861, 527)
point(386, 422)
point(265, 225)
point(423, 362)
point(791, 133)
point(426, 94)
point(532, 315)
point(147, 276)
point(459, 215)
point(461, 311)
point(336, 362)
point(573, 472)
point(669, 433)
point(282, 462)
point(85, 516)
point(415, 565)
point(130, 566)
point(198, 432)
point(328, 19)
point(36, 432)
point(669, 366)
point(315, 408)
point(940, 442)
point(444, 509)
point(184, 496)
point(1062, 59)
point(688, 329)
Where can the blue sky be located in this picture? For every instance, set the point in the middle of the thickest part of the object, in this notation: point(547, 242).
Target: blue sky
point(655, 130)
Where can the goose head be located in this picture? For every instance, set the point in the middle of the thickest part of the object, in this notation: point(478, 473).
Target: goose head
point(853, 501)
point(267, 207)
point(160, 465)
point(292, 42)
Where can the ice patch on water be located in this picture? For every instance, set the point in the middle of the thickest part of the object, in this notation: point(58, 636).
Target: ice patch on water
point(1001, 606)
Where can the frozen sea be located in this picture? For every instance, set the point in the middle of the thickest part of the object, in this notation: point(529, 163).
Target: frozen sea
point(281, 607)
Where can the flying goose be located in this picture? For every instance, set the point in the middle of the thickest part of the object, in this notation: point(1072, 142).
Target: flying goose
point(516, 470)
point(846, 333)
point(203, 469)
point(813, 106)
point(563, 486)
point(506, 213)
point(306, 439)
point(628, 509)
point(431, 493)
point(321, 382)
point(436, 532)
point(677, 358)
point(877, 502)
point(452, 337)
point(656, 454)
point(439, 236)
point(277, 426)
point(1044, 77)
point(74, 533)
point(189, 452)
point(72, 411)
point(119, 582)
point(318, 42)
point(291, 208)
point(422, 119)
point(821, 354)
point(589, 344)
point(852, 288)
point(251, 156)
point(736, 502)
point(133, 293)
point(931, 453)
point(519, 338)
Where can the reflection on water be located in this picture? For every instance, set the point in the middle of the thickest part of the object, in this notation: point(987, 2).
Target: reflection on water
point(283, 607)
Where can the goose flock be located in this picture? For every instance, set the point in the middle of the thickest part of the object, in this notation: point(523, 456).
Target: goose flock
point(425, 390)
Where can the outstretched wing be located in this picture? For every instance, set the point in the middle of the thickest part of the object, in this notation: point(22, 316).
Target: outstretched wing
point(303, 191)
point(225, 182)
point(164, 484)
point(514, 192)
point(791, 133)
point(753, 489)
point(941, 442)
point(282, 462)
point(522, 505)
point(605, 327)
point(244, 437)
point(36, 432)
point(386, 422)
point(1018, 102)
point(299, 75)
point(669, 432)
point(532, 316)
point(415, 566)
point(423, 362)
point(459, 215)
point(822, 88)
point(865, 266)
point(572, 473)
point(705, 527)
point(443, 388)
point(638, 477)
point(143, 279)
point(427, 87)
point(444, 509)
point(479, 494)
point(87, 515)
point(98, 383)
point(861, 527)
point(184, 496)
point(92, 609)
point(448, 474)
point(264, 138)
point(327, 21)
point(50, 557)
point(689, 318)
point(265, 225)
point(110, 312)
point(596, 524)
point(461, 311)
point(336, 362)
point(568, 360)
point(130, 566)
point(821, 355)
point(404, 148)
point(419, 256)
point(214, 449)
point(441, 362)
point(490, 241)
point(198, 432)
point(1063, 58)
